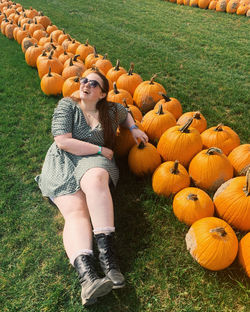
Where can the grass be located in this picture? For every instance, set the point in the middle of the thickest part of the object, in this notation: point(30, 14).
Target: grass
point(202, 59)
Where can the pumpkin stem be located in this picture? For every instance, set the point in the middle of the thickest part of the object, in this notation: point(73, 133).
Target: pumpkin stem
point(165, 97)
point(219, 230)
point(246, 188)
point(214, 150)
point(49, 73)
point(95, 52)
point(219, 127)
point(71, 62)
point(152, 79)
point(141, 145)
point(44, 53)
point(125, 104)
point(86, 43)
point(75, 57)
point(175, 169)
point(115, 88)
point(51, 54)
point(105, 56)
point(192, 196)
point(185, 127)
point(160, 110)
point(76, 79)
point(131, 69)
point(197, 115)
point(117, 66)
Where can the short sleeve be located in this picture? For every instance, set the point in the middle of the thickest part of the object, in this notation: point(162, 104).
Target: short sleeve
point(62, 120)
point(122, 113)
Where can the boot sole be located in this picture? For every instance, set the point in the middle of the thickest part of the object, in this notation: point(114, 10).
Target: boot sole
point(118, 286)
point(100, 291)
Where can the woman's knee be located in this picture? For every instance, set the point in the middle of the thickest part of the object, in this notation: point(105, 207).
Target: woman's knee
point(94, 179)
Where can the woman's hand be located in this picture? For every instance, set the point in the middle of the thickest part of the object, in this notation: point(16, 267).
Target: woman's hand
point(107, 152)
point(139, 136)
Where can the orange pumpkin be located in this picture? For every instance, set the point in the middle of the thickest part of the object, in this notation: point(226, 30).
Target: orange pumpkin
point(32, 54)
point(169, 178)
point(134, 111)
point(210, 168)
point(49, 62)
point(180, 142)
point(118, 95)
point(92, 58)
point(199, 122)
point(115, 72)
point(212, 243)
point(84, 50)
point(222, 137)
point(104, 64)
point(203, 4)
point(232, 202)
point(63, 57)
point(191, 204)
point(43, 19)
point(72, 69)
point(244, 253)
point(170, 104)
point(240, 159)
point(52, 83)
point(143, 159)
point(70, 85)
point(147, 94)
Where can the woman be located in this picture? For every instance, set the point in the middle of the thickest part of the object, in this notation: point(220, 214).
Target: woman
point(76, 174)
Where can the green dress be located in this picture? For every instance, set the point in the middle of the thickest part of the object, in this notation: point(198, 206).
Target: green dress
point(62, 171)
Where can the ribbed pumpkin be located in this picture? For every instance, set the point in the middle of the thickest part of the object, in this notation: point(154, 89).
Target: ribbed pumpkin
point(38, 34)
point(72, 47)
point(155, 123)
point(9, 30)
point(232, 202)
point(129, 81)
point(32, 54)
point(72, 69)
point(244, 253)
point(21, 34)
point(28, 42)
point(52, 83)
point(75, 60)
point(84, 50)
point(169, 178)
point(49, 62)
point(210, 168)
point(54, 35)
point(222, 137)
point(203, 4)
point(143, 159)
point(232, 6)
point(191, 204)
point(240, 159)
point(146, 94)
point(199, 121)
point(212, 5)
point(43, 19)
point(117, 95)
point(115, 72)
point(170, 104)
point(242, 8)
point(104, 64)
point(221, 5)
point(70, 85)
point(65, 56)
point(212, 243)
point(181, 143)
point(92, 58)
point(134, 110)
point(193, 3)
point(35, 26)
point(50, 28)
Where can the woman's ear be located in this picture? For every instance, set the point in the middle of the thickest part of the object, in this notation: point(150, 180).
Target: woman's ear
point(102, 95)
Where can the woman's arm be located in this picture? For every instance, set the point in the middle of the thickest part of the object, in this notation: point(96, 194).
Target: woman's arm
point(80, 148)
point(137, 134)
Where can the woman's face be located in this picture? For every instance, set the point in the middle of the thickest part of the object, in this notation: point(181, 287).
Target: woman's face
point(91, 88)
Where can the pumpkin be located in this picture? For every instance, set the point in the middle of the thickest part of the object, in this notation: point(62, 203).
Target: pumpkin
point(221, 5)
point(35, 26)
point(199, 122)
point(66, 42)
point(134, 110)
point(210, 168)
point(117, 95)
point(155, 123)
point(240, 159)
point(170, 104)
point(193, 3)
point(180, 2)
point(50, 61)
point(73, 69)
point(146, 94)
point(181, 143)
point(44, 40)
point(169, 178)
point(212, 5)
point(21, 34)
point(50, 28)
point(63, 57)
point(242, 8)
point(31, 13)
point(232, 6)
point(72, 46)
point(38, 34)
point(52, 83)
point(84, 50)
point(244, 253)
point(32, 54)
point(191, 204)
point(43, 19)
point(9, 30)
point(92, 58)
point(203, 4)
point(104, 64)
point(143, 159)
point(115, 72)
point(28, 42)
point(232, 202)
point(129, 81)
point(212, 243)
point(71, 85)
point(222, 137)
point(63, 36)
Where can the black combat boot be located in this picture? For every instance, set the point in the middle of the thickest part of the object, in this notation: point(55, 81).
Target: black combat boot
point(105, 244)
point(92, 285)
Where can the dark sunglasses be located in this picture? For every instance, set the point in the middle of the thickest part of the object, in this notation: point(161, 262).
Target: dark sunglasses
point(92, 83)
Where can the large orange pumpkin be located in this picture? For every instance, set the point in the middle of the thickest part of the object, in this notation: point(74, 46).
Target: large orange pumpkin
point(52, 83)
point(115, 72)
point(244, 253)
point(170, 104)
point(118, 95)
point(32, 54)
point(84, 50)
point(44, 64)
point(212, 243)
point(240, 159)
point(199, 121)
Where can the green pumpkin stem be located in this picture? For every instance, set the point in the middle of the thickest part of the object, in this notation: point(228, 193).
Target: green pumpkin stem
point(86, 43)
point(105, 56)
point(95, 52)
point(115, 88)
point(131, 69)
point(214, 150)
point(175, 169)
point(219, 230)
point(117, 66)
point(71, 62)
point(152, 79)
point(49, 73)
point(185, 127)
point(192, 196)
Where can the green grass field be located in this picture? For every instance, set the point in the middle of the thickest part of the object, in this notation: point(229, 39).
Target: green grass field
point(202, 59)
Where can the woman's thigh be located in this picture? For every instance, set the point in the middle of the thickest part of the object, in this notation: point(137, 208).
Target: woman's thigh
point(94, 178)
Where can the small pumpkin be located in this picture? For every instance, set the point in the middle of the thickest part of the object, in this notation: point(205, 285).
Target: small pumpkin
point(52, 83)
point(49, 62)
point(203, 4)
point(43, 19)
point(244, 253)
point(63, 57)
point(72, 47)
point(210, 168)
point(143, 159)
point(104, 64)
point(134, 110)
point(72, 69)
point(118, 95)
point(32, 54)
point(199, 121)
point(222, 137)
point(212, 243)
point(240, 159)
point(92, 58)
point(70, 85)
point(146, 94)
point(232, 6)
point(191, 204)
point(84, 50)
point(115, 72)
point(232, 202)
point(170, 104)
point(169, 178)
